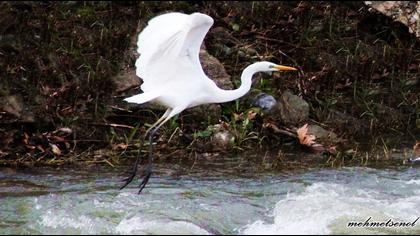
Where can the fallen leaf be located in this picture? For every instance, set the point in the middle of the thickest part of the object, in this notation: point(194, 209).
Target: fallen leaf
point(3, 154)
point(64, 130)
point(55, 149)
point(26, 138)
point(305, 138)
point(55, 138)
point(119, 146)
point(251, 115)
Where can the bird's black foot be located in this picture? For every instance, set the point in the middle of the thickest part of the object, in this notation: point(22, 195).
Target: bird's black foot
point(129, 179)
point(147, 171)
point(146, 176)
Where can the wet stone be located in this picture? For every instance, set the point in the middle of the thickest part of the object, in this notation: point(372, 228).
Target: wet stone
point(264, 101)
point(221, 138)
point(322, 135)
point(291, 109)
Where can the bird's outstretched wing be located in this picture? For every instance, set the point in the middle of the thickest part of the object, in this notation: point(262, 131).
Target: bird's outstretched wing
point(167, 38)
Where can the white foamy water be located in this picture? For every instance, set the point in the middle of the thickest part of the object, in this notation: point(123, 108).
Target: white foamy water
point(314, 202)
point(142, 225)
point(327, 208)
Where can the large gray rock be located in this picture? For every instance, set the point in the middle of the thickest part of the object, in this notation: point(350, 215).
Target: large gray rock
point(291, 109)
point(346, 123)
point(13, 107)
point(322, 135)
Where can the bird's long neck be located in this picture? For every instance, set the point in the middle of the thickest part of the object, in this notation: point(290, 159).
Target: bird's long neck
point(246, 82)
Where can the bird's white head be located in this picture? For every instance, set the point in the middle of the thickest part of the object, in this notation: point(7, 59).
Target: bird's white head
point(269, 67)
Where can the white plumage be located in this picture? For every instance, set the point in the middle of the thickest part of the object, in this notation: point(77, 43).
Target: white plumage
point(167, 38)
point(170, 68)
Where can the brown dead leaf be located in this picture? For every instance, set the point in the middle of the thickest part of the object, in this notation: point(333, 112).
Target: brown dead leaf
point(251, 115)
point(56, 139)
point(45, 90)
point(309, 140)
point(30, 147)
point(3, 154)
point(55, 149)
point(26, 138)
point(305, 138)
point(64, 130)
point(119, 146)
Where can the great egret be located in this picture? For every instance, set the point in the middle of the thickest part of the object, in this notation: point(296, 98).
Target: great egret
point(172, 75)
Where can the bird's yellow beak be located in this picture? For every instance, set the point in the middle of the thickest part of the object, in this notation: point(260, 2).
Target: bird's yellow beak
point(280, 67)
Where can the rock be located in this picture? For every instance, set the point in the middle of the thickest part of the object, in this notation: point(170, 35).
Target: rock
point(12, 105)
point(222, 36)
point(291, 109)
point(210, 113)
point(322, 135)
point(345, 122)
point(406, 12)
point(221, 138)
point(125, 80)
point(264, 101)
point(317, 139)
point(215, 70)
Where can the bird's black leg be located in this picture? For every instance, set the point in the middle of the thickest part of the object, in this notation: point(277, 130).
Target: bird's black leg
point(149, 168)
point(134, 171)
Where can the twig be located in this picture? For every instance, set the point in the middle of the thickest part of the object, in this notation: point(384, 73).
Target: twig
point(120, 109)
point(278, 130)
point(114, 125)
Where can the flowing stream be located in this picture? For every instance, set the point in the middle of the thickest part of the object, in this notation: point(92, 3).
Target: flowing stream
point(222, 198)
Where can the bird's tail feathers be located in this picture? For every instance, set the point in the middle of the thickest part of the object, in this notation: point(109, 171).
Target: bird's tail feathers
point(142, 98)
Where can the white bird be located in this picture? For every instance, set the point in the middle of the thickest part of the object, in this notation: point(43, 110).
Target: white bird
point(172, 74)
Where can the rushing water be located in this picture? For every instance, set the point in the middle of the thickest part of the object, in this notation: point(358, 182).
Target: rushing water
point(179, 200)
